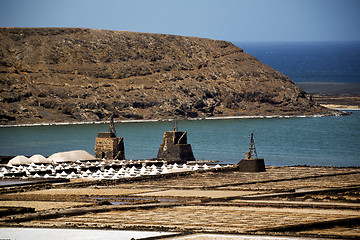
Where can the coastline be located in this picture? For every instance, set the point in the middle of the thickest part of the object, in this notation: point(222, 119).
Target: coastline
point(342, 97)
point(341, 107)
point(342, 111)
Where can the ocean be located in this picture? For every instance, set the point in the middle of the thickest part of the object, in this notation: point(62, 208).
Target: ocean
point(309, 61)
point(326, 141)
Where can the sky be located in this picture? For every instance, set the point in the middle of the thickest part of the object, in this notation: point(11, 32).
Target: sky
point(231, 20)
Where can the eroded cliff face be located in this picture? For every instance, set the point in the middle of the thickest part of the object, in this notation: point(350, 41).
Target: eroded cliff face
point(64, 75)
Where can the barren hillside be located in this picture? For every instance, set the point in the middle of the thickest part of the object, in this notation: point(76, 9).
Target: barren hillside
point(65, 74)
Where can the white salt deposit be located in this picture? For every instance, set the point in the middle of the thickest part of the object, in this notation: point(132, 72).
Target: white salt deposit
point(60, 234)
point(143, 170)
point(71, 156)
point(154, 171)
point(36, 175)
point(132, 171)
point(37, 158)
point(116, 176)
point(100, 177)
point(106, 175)
point(20, 160)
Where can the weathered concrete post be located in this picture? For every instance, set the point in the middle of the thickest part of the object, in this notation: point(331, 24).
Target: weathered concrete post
point(175, 148)
point(108, 145)
point(251, 163)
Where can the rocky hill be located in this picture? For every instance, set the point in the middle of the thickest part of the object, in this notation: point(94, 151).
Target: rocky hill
point(66, 74)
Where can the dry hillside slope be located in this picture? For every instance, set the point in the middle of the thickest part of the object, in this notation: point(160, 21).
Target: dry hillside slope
point(65, 74)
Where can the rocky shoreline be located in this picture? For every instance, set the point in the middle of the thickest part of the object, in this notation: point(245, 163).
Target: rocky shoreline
point(342, 102)
point(339, 103)
point(343, 96)
point(340, 111)
point(82, 75)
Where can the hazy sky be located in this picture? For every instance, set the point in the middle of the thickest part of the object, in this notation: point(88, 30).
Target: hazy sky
point(233, 20)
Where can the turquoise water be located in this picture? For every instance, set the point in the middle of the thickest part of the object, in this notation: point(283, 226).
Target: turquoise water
point(313, 141)
point(328, 141)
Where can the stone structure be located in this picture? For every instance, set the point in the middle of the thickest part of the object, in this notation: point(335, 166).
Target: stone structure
point(251, 163)
point(175, 148)
point(108, 145)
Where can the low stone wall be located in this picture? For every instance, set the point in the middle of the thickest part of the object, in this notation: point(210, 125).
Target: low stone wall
point(6, 211)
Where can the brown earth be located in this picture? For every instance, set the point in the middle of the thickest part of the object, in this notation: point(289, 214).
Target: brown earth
point(334, 95)
point(340, 102)
point(298, 201)
point(68, 74)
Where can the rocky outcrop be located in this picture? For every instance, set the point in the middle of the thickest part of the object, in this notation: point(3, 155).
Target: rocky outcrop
point(66, 74)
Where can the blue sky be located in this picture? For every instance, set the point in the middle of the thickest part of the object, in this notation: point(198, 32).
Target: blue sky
point(232, 20)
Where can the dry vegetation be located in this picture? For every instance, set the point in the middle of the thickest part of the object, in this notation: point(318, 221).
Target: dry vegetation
point(64, 75)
